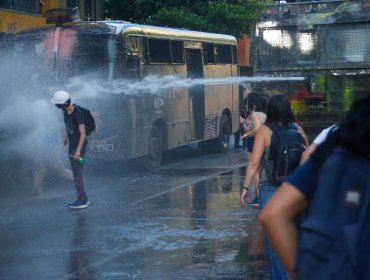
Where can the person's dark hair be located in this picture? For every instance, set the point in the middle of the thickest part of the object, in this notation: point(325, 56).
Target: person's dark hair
point(262, 104)
point(258, 101)
point(353, 132)
point(279, 110)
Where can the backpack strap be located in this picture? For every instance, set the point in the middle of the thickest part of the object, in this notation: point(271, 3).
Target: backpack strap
point(78, 108)
point(293, 126)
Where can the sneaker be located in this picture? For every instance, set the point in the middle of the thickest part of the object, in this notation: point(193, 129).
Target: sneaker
point(79, 204)
point(254, 202)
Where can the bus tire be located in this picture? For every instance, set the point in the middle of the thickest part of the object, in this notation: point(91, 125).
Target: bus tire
point(223, 140)
point(153, 159)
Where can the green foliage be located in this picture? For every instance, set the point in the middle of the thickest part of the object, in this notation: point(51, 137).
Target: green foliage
point(133, 11)
point(219, 16)
point(178, 17)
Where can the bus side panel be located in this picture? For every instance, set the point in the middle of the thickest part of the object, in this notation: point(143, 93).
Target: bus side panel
point(136, 131)
point(217, 101)
point(171, 106)
point(178, 113)
point(236, 95)
point(235, 114)
point(106, 142)
point(121, 132)
point(169, 109)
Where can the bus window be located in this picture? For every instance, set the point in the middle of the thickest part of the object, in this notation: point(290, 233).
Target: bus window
point(177, 50)
point(235, 55)
point(224, 54)
point(159, 50)
point(209, 53)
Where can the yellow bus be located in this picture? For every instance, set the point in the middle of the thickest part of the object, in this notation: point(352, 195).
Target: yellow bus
point(143, 123)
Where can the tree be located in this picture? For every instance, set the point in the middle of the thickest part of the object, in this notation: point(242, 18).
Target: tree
point(219, 16)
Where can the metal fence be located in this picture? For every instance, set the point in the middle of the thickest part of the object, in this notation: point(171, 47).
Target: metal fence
point(339, 46)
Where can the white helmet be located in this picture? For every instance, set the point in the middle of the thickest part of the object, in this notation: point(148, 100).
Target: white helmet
point(60, 97)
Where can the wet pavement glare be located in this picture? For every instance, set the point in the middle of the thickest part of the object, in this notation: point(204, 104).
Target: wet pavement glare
point(184, 222)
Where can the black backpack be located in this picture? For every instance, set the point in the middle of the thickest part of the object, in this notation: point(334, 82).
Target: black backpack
point(89, 120)
point(286, 148)
point(334, 237)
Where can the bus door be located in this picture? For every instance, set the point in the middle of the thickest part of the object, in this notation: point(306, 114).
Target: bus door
point(194, 64)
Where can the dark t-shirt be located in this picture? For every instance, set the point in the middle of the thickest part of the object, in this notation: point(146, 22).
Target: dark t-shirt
point(305, 177)
point(72, 122)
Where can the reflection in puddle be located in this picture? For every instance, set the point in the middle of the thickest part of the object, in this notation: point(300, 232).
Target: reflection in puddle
point(78, 261)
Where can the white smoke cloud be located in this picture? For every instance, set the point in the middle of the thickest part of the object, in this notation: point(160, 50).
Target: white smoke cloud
point(31, 128)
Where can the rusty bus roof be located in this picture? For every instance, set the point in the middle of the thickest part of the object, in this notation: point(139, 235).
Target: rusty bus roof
point(123, 28)
point(126, 28)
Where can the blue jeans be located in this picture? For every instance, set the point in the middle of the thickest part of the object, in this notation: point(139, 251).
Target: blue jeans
point(278, 271)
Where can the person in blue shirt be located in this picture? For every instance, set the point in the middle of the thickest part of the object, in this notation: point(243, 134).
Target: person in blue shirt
point(294, 196)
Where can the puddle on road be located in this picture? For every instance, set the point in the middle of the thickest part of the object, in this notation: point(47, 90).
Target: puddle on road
point(195, 232)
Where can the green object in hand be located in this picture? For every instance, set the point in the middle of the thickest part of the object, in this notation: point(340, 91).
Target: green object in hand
point(79, 159)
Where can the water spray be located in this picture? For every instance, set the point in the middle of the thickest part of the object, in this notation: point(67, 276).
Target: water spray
point(86, 88)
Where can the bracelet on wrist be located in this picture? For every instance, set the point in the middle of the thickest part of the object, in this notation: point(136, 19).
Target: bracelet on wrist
point(247, 189)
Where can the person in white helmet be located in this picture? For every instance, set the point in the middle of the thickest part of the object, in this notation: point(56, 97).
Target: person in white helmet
point(76, 137)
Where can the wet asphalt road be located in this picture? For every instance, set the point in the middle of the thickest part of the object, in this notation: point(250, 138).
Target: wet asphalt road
point(184, 222)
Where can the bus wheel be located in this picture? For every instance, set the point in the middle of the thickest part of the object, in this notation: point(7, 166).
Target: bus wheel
point(153, 159)
point(223, 140)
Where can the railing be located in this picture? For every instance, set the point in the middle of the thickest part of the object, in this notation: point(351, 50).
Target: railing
point(299, 8)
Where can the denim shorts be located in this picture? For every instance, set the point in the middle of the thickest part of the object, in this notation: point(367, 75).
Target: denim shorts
point(267, 190)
